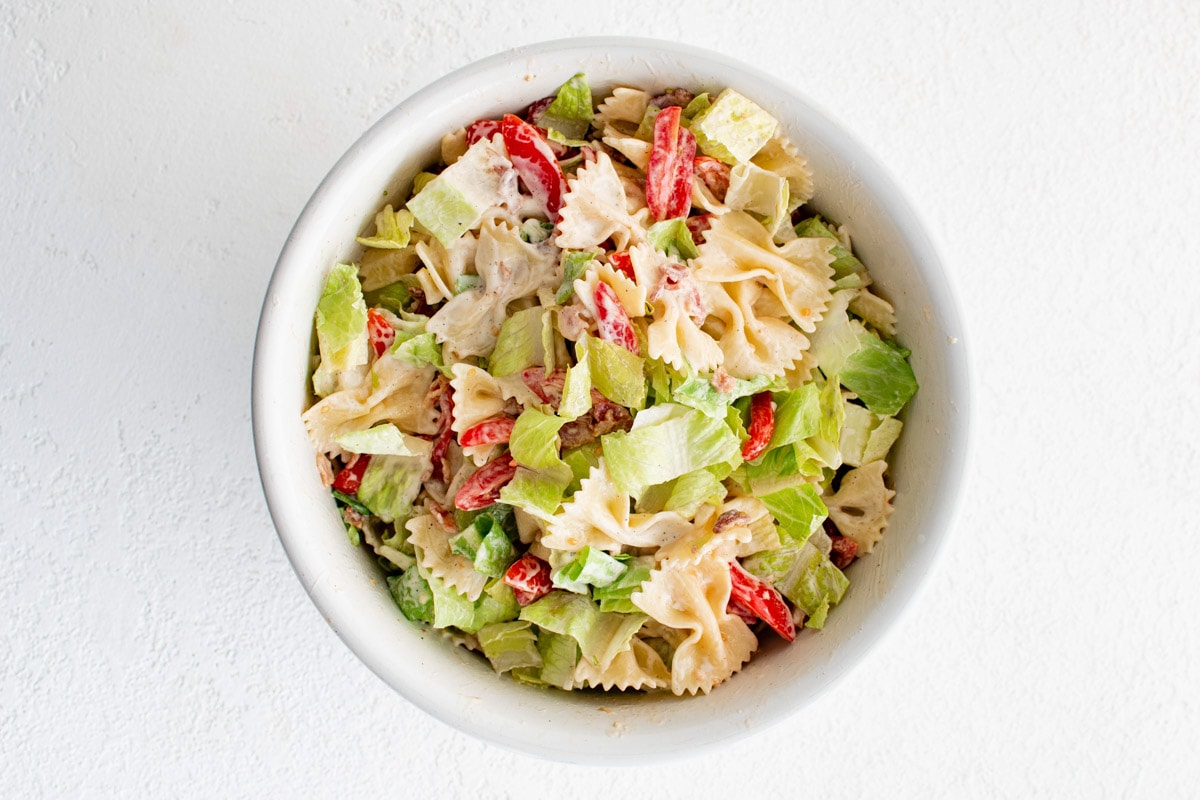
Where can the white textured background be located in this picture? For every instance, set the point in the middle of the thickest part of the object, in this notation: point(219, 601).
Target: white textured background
point(153, 639)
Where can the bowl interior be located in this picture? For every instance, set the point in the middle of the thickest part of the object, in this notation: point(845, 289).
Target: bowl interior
point(459, 687)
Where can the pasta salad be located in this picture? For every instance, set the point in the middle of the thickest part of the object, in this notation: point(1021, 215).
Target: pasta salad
point(606, 399)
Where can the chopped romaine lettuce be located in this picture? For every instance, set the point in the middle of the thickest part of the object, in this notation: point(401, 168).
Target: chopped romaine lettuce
point(534, 439)
point(510, 645)
point(673, 238)
point(384, 439)
point(455, 201)
point(844, 263)
point(454, 610)
point(667, 441)
point(617, 373)
point(389, 486)
point(574, 264)
point(341, 322)
point(519, 343)
point(601, 635)
point(391, 230)
point(798, 510)
point(412, 595)
point(879, 373)
point(733, 128)
point(615, 596)
point(538, 492)
point(571, 112)
point(589, 567)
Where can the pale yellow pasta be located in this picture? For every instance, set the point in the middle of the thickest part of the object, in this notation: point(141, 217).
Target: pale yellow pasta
point(394, 392)
point(781, 157)
point(432, 544)
point(598, 516)
point(862, 504)
point(874, 310)
point(635, 149)
point(637, 667)
point(693, 597)
point(380, 267)
point(625, 107)
point(737, 249)
point(443, 266)
point(752, 343)
point(595, 209)
point(631, 296)
point(704, 542)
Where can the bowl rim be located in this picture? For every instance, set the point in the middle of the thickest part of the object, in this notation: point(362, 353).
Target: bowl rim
point(911, 227)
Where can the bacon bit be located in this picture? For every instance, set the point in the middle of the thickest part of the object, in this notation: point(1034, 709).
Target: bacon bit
point(573, 321)
point(529, 577)
point(444, 517)
point(845, 550)
point(325, 470)
point(352, 517)
point(722, 381)
point(676, 277)
point(698, 225)
point(380, 331)
point(762, 426)
point(761, 598)
point(730, 519)
point(350, 477)
point(669, 173)
point(483, 487)
point(612, 322)
point(714, 174)
point(621, 262)
point(673, 97)
point(445, 434)
point(604, 417)
point(490, 431)
point(548, 388)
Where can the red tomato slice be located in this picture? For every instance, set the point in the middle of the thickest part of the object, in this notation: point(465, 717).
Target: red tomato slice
point(669, 173)
point(763, 599)
point(612, 323)
point(535, 163)
point(762, 426)
point(490, 431)
point(483, 487)
point(529, 577)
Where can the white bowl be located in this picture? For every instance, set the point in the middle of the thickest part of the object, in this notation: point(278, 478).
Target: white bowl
point(460, 688)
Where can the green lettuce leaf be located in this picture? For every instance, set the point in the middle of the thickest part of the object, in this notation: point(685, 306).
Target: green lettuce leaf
point(600, 635)
point(733, 128)
point(617, 373)
point(519, 343)
point(538, 492)
point(844, 263)
point(392, 230)
point(667, 441)
point(419, 350)
point(574, 264)
point(341, 321)
point(615, 596)
point(673, 238)
point(587, 568)
point(510, 645)
point(384, 439)
point(798, 510)
point(559, 655)
point(699, 393)
point(571, 112)
point(395, 297)
point(879, 373)
point(412, 595)
point(577, 391)
point(454, 610)
point(534, 439)
point(389, 486)
point(455, 201)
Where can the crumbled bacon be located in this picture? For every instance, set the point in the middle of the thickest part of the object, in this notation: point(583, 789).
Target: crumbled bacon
point(673, 97)
point(730, 519)
point(845, 550)
point(324, 470)
point(604, 417)
point(352, 517)
point(722, 381)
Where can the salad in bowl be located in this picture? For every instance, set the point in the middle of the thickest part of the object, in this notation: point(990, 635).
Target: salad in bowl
point(607, 400)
